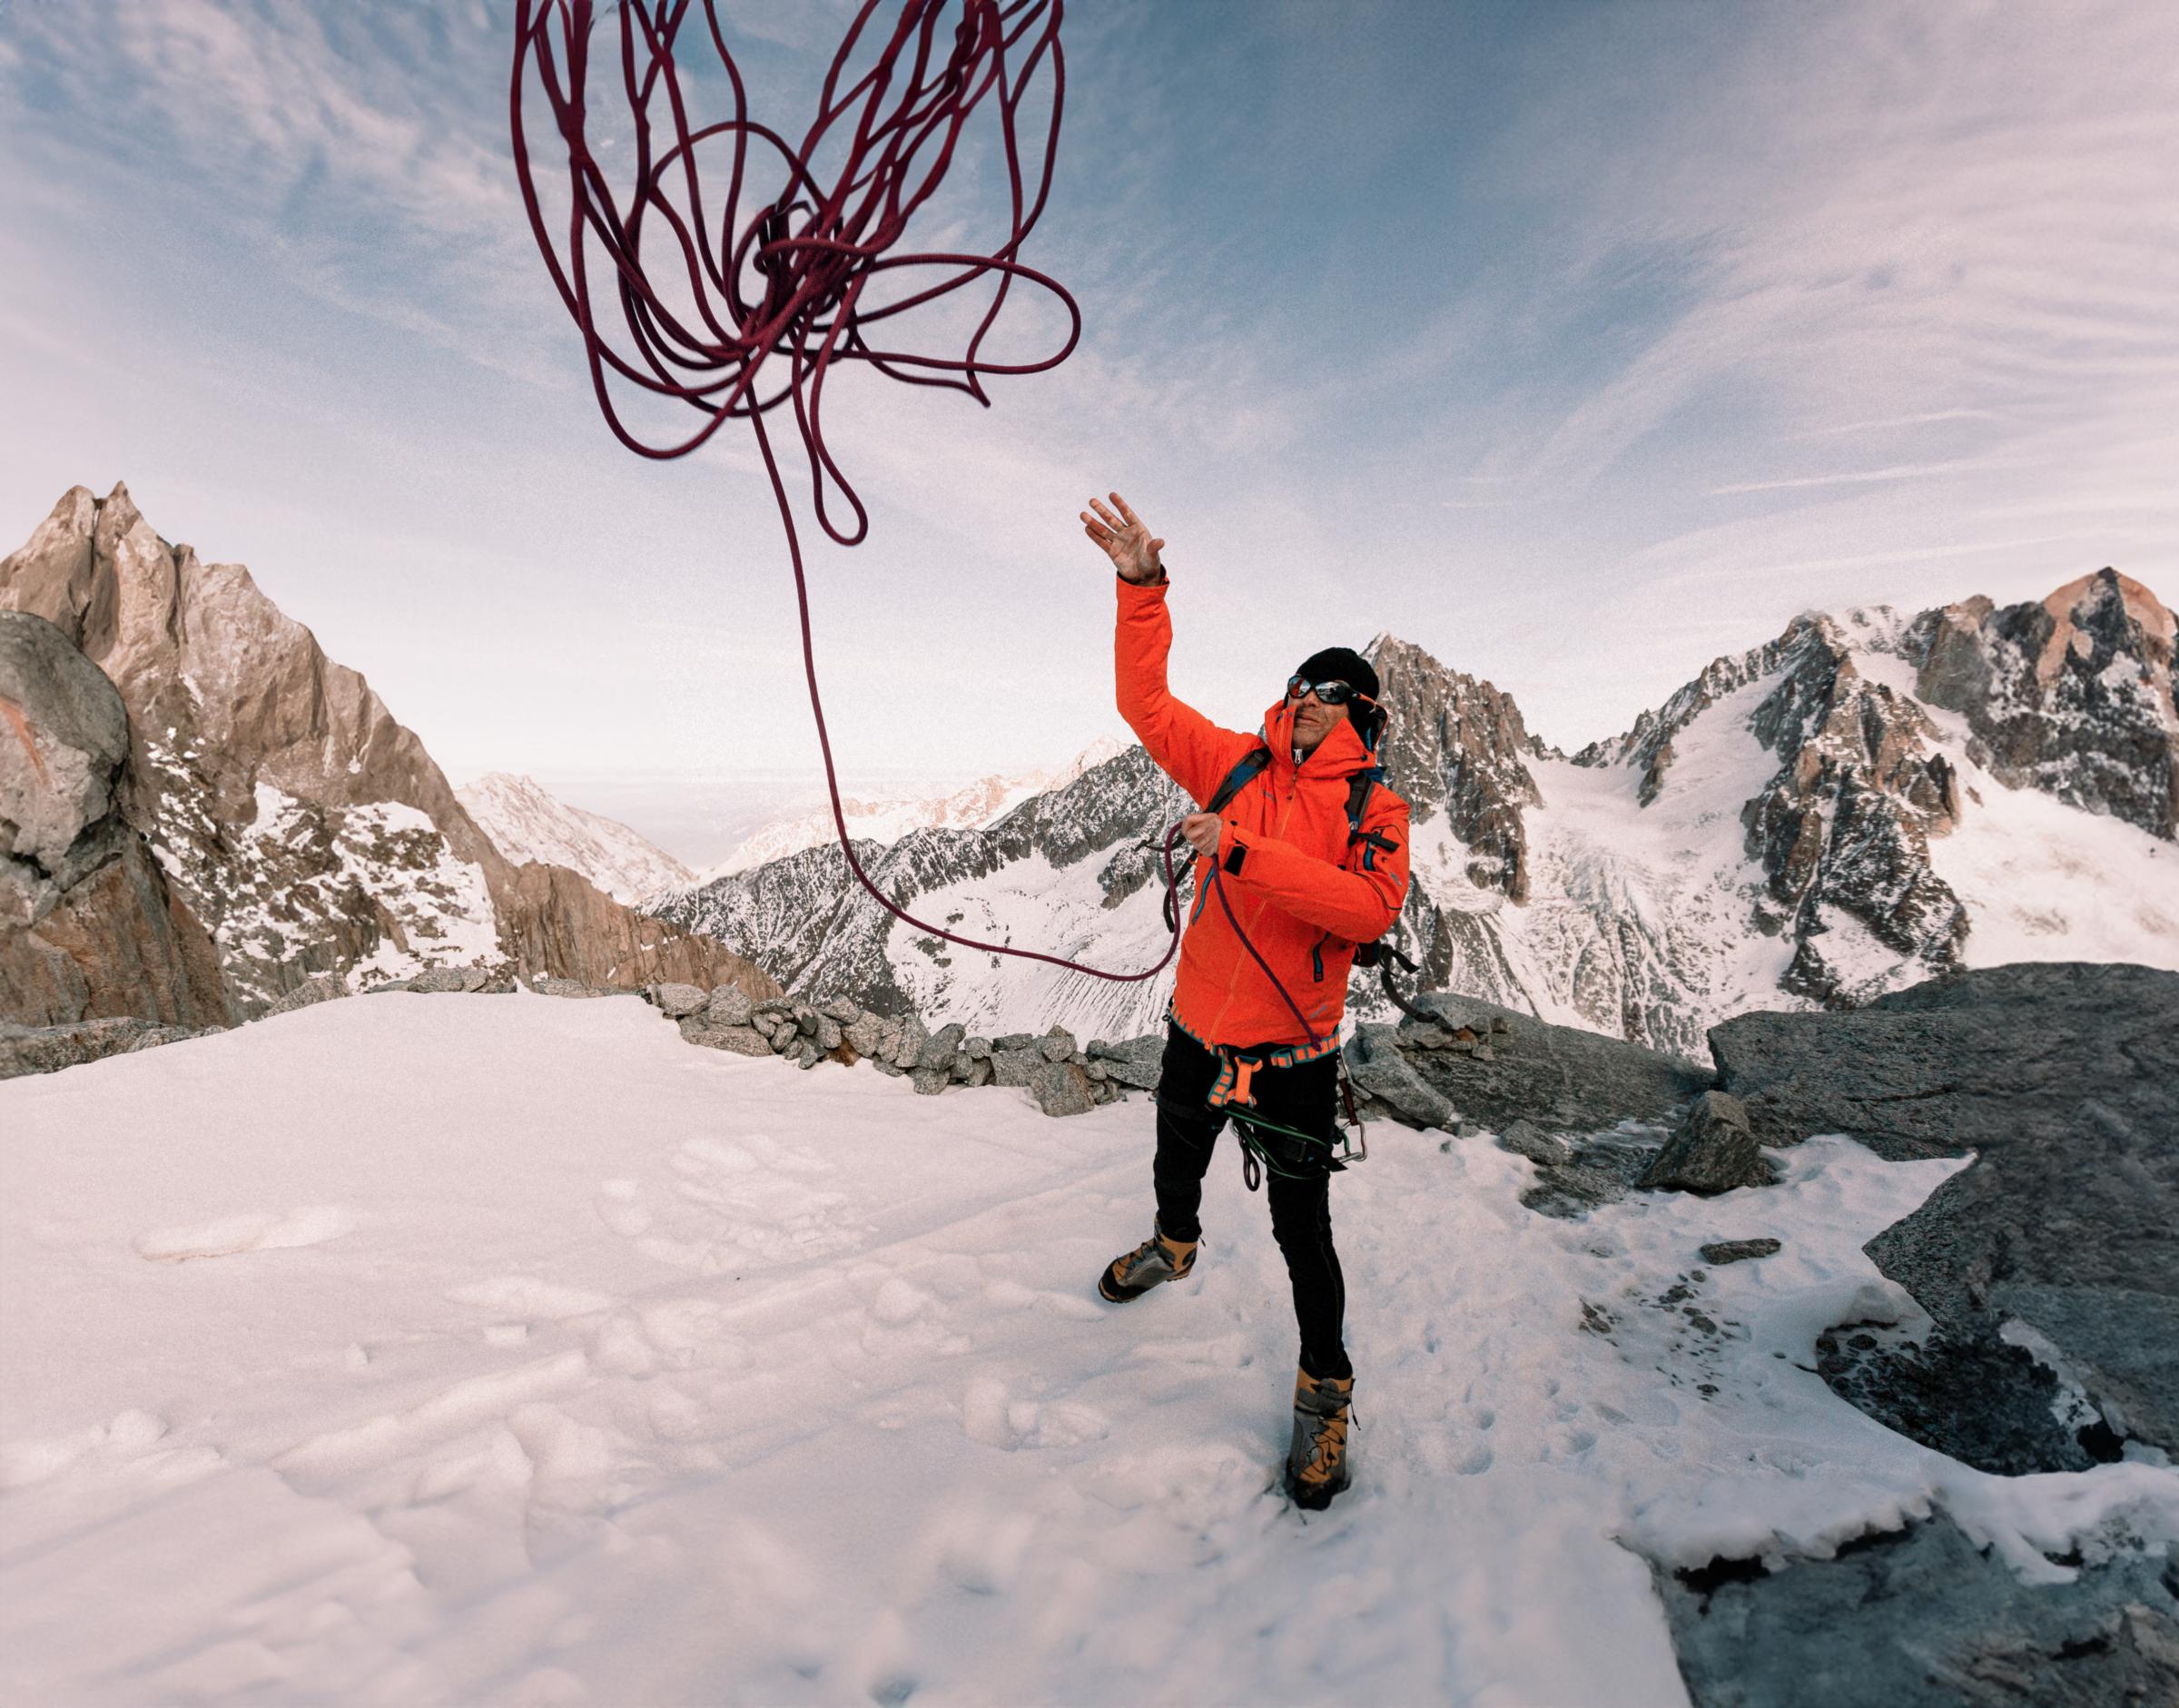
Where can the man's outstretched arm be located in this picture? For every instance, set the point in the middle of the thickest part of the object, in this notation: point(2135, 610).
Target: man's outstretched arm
point(1196, 753)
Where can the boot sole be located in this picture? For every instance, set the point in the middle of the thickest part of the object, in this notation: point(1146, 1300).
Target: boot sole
point(1315, 1500)
point(1105, 1286)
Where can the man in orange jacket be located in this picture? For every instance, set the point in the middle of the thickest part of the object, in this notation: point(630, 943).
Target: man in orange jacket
point(1311, 854)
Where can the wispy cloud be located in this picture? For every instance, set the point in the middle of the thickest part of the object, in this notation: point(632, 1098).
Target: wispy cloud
point(1859, 477)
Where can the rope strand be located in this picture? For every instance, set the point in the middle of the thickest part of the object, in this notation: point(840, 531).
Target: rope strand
point(815, 247)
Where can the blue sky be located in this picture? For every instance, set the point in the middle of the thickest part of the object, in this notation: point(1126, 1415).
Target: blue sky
point(1576, 342)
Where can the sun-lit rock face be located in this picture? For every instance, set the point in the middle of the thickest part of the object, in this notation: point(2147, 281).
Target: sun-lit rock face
point(2071, 695)
point(288, 817)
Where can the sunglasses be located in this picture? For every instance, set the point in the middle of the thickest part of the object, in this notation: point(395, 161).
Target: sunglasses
point(1326, 693)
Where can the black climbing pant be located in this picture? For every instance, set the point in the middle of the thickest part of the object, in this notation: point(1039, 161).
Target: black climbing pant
point(1303, 1097)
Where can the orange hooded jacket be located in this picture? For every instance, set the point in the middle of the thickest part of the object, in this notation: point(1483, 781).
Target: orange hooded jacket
point(1302, 896)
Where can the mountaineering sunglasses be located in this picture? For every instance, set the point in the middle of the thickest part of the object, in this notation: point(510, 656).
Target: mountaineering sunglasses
point(1328, 693)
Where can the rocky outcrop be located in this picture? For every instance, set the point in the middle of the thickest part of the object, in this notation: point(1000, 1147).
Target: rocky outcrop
point(49, 1048)
point(550, 917)
point(284, 825)
point(88, 924)
point(1713, 1150)
point(527, 824)
point(1458, 746)
point(2063, 1079)
point(2071, 695)
point(1497, 1066)
point(1923, 1618)
point(1842, 831)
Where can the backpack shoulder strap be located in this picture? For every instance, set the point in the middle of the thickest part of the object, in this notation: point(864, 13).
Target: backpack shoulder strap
point(1359, 788)
point(1252, 763)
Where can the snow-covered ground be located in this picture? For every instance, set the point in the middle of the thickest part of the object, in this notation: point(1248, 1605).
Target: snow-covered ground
point(419, 1348)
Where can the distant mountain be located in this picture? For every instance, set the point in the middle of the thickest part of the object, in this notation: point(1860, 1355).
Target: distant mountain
point(884, 821)
point(1861, 803)
point(525, 821)
point(202, 811)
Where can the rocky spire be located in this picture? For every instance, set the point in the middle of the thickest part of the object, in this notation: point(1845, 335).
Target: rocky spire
point(301, 826)
point(2071, 695)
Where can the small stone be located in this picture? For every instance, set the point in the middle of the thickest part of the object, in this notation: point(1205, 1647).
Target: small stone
point(1712, 1152)
point(676, 1001)
point(808, 1053)
point(980, 1070)
point(1499, 1023)
point(1098, 1072)
point(1138, 1062)
point(325, 988)
point(1483, 1053)
point(786, 1040)
point(844, 1009)
point(1720, 1251)
point(1060, 1088)
point(868, 1035)
point(1014, 1040)
point(941, 1047)
point(741, 1041)
point(1013, 1067)
point(962, 1062)
point(727, 1006)
point(1525, 1138)
point(456, 980)
point(1058, 1044)
point(829, 1034)
point(909, 1045)
point(805, 1020)
point(979, 1049)
point(930, 1081)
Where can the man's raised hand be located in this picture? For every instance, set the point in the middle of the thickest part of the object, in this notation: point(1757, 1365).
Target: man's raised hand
point(1125, 540)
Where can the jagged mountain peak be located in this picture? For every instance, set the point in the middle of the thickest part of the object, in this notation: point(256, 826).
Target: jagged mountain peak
point(1456, 742)
point(527, 822)
point(288, 826)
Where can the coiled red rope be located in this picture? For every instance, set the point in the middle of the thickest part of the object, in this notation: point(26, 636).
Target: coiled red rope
point(813, 249)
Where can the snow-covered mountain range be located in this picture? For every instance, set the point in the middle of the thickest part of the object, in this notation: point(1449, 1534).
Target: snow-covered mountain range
point(1866, 800)
point(527, 822)
point(886, 819)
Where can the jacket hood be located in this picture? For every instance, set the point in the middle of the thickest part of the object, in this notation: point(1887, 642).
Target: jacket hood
point(1340, 754)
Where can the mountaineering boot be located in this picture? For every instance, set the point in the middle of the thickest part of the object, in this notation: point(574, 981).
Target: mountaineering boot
point(1134, 1273)
point(1317, 1462)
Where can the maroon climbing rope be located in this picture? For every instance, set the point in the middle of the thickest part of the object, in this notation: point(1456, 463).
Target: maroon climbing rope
point(721, 295)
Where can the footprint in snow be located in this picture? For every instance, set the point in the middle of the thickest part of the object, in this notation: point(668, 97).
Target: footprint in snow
point(230, 1236)
point(526, 1296)
point(127, 1436)
point(620, 1206)
point(991, 1414)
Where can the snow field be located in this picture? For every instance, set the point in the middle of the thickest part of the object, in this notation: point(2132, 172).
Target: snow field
point(504, 1349)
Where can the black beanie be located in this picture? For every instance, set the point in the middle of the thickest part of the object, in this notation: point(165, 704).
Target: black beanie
point(1340, 664)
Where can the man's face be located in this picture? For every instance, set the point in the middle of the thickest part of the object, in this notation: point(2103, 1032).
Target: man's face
point(1313, 720)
